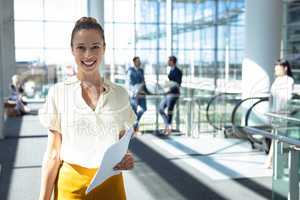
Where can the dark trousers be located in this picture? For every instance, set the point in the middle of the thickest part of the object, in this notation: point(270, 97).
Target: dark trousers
point(138, 101)
point(168, 102)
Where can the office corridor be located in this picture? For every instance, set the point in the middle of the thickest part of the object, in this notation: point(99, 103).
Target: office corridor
point(175, 168)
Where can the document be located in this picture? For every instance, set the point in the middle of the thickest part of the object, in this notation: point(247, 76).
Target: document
point(113, 155)
point(169, 85)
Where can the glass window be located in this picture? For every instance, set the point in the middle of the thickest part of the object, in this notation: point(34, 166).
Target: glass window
point(193, 33)
point(178, 12)
point(207, 56)
point(64, 10)
point(124, 11)
point(162, 37)
point(109, 36)
point(45, 25)
point(30, 55)
point(58, 34)
point(109, 11)
point(28, 10)
point(190, 11)
point(42, 36)
point(58, 56)
point(163, 12)
point(146, 35)
point(146, 11)
point(147, 56)
point(207, 38)
point(123, 57)
point(29, 34)
point(124, 35)
point(189, 40)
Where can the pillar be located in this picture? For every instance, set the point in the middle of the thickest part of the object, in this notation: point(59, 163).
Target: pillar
point(262, 46)
point(7, 53)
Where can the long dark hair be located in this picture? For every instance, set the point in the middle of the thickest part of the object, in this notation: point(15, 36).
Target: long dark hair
point(284, 63)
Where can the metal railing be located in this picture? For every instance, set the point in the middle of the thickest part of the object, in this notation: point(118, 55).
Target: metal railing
point(293, 150)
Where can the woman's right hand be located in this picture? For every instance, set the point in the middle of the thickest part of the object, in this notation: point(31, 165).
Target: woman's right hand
point(51, 164)
point(127, 163)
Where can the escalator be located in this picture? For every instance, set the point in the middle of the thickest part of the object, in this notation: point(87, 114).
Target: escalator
point(219, 109)
point(249, 112)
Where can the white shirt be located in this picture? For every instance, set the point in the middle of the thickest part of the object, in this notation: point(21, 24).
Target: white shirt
point(281, 91)
point(86, 134)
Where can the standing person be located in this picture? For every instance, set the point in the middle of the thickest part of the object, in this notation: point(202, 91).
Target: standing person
point(281, 92)
point(172, 94)
point(85, 115)
point(137, 90)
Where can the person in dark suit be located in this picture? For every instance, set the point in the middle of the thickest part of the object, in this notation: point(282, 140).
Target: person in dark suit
point(172, 94)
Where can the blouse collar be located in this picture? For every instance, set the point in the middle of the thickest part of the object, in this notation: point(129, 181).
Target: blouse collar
point(74, 80)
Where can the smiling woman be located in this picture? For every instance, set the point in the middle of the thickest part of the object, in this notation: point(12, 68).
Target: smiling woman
point(85, 115)
point(88, 49)
point(88, 44)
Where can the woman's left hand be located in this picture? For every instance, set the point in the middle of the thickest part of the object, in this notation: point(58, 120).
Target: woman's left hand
point(127, 163)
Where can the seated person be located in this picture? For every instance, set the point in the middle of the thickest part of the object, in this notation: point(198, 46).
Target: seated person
point(16, 98)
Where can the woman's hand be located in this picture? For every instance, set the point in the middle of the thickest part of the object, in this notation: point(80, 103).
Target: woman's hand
point(127, 163)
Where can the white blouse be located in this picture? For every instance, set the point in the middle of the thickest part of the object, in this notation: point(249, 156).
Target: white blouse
point(281, 91)
point(86, 133)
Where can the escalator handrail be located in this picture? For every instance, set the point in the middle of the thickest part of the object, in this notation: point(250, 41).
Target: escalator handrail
point(208, 107)
point(263, 99)
point(233, 115)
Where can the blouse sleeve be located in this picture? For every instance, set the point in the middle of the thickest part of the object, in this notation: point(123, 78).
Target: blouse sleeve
point(128, 122)
point(127, 117)
point(48, 114)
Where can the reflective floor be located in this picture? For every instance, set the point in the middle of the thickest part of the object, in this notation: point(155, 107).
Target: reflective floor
point(166, 168)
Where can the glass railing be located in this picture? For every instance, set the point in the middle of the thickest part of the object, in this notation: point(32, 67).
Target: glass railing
point(286, 156)
point(189, 116)
point(286, 152)
point(196, 112)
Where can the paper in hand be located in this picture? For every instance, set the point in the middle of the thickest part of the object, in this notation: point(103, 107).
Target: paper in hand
point(113, 155)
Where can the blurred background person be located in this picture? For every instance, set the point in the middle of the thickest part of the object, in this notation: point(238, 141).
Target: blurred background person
point(137, 90)
point(172, 94)
point(281, 92)
point(17, 98)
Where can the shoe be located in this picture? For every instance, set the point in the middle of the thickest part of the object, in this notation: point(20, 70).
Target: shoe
point(137, 132)
point(168, 132)
point(136, 129)
point(268, 165)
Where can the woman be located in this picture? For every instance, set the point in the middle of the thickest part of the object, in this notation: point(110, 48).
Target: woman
point(282, 87)
point(85, 115)
point(281, 92)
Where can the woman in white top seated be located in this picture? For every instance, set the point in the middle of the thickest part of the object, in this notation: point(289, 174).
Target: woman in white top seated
point(281, 92)
point(85, 115)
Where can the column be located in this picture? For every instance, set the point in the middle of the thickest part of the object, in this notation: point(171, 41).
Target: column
point(262, 45)
point(96, 10)
point(1, 87)
point(7, 43)
point(169, 20)
point(7, 53)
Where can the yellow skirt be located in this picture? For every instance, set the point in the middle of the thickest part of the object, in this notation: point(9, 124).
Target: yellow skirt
point(73, 181)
